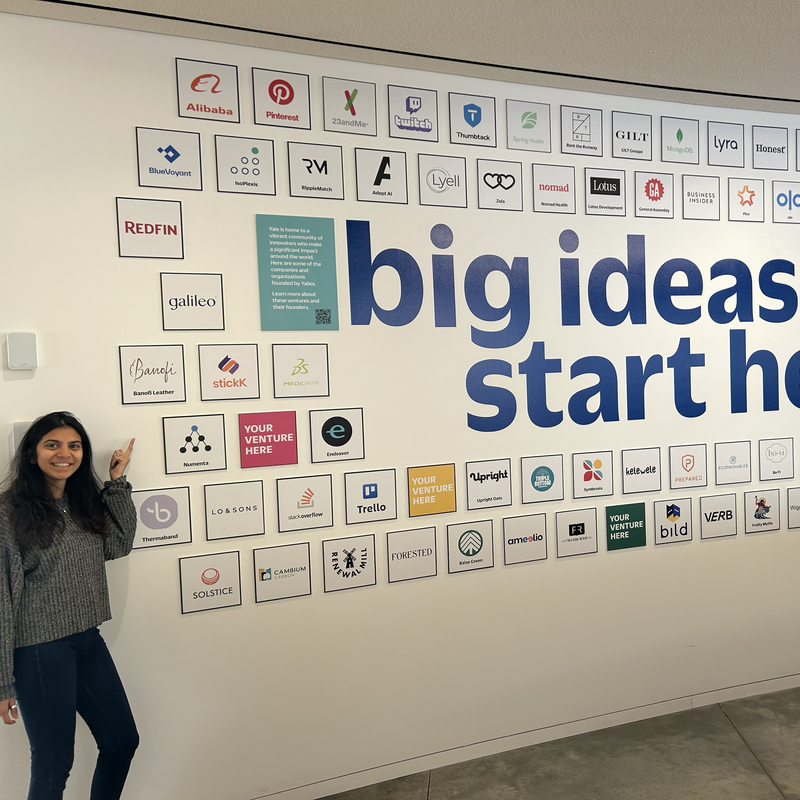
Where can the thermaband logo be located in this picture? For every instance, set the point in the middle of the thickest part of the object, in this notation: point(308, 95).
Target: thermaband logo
point(159, 511)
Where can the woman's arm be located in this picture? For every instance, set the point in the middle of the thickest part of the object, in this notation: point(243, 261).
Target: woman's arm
point(119, 508)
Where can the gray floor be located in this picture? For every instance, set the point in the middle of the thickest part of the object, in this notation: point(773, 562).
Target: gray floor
point(742, 750)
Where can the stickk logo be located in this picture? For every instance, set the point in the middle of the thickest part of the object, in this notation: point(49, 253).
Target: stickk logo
point(440, 180)
point(337, 431)
point(306, 499)
point(762, 509)
point(209, 576)
point(497, 181)
point(383, 171)
point(350, 97)
point(206, 83)
point(300, 368)
point(281, 92)
point(470, 543)
point(746, 196)
point(159, 511)
point(229, 366)
point(170, 153)
point(194, 441)
point(593, 470)
point(472, 115)
point(654, 189)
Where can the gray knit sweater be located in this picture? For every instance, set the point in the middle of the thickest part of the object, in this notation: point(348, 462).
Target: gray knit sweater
point(51, 593)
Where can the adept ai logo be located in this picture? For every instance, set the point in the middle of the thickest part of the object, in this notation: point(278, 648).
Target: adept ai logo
point(746, 195)
point(413, 104)
point(529, 119)
point(206, 83)
point(194, 441)
point(210, 576)
point(440, 180)
point(306, 499)
point(472, 115)
point(496, 181)
point(383, 171)
point(593, 470)
point(300, 368)
point(542, 479)
point(265, 574)
point(337, 431)
point(350, 97)
point(762, 509)
point(281, 92)
point(369, 491)
point(470, 543)
point(248, 164)
point(228, 365)
point(673, 512)
point(170, 153)
point(654, 189)
point(159, 511)
point(609, 186)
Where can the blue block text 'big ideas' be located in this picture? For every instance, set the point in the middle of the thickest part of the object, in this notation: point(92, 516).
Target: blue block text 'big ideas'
point(673, 286)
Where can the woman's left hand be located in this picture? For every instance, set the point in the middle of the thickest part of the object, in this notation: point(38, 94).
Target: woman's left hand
point(120, 460)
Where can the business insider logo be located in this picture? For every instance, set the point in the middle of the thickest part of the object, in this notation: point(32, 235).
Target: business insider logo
point(337, 431)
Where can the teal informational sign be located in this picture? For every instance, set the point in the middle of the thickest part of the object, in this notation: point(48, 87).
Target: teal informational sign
point(297, 273)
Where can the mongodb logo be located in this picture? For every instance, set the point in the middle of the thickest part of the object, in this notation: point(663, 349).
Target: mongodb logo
point(470, 543)
point(679, 135)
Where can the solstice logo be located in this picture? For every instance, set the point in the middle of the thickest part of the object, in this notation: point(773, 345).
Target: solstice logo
point(209, 576)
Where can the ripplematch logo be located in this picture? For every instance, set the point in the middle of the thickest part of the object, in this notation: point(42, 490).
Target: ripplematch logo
point(470, 543)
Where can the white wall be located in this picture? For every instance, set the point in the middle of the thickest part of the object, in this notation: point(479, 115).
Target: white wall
point(314, 695)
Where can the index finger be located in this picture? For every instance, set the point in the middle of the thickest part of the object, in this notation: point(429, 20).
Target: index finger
point(129, 449)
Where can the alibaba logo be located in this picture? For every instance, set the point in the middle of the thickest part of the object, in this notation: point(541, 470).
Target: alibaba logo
point(201, 83)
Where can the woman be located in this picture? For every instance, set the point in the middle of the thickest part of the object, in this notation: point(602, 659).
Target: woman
point(58, 526)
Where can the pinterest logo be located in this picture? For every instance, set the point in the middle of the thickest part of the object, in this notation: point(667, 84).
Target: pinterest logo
point(281, 92)
point(210, 576)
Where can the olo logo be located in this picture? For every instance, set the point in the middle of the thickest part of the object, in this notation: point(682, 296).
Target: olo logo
point(788, 200)
point(281, 92)
point(337, 431)
point(159, 511)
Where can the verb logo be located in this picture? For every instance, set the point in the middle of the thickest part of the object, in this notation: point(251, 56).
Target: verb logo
point(206, 83)
point(159, 511)
point(470, 543)
point(472, 114)
point(337, 431)
point(281, 92)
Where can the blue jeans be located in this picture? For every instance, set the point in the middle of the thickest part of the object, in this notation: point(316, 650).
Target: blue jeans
point(53, 682)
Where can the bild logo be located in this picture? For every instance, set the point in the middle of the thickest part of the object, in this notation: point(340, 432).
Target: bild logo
point(159, 511)
point(337, 431)
point(206, 83)
point(194, 441)
point(542, 479)
point(281, 92)
point(440, 180)
point(470, 543)
point(762, 509)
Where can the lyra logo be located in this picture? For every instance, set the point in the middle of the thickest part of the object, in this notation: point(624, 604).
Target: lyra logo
point(470, 543)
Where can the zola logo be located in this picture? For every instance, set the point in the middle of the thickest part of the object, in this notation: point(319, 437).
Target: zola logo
point(497, 181)
point(605, 186)
point(440, 180)
point(159, 511)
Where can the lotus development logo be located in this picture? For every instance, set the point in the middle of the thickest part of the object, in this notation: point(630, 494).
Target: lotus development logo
point(228, 365)
point(687, 462)
point(746, 195)
point(202, 83)
point(470, 543)
point(350, 97)
point(195, 440)
point(654, 189)
point(159, 511)
point(497, 181)
point(210, 576)
point(673, 512)
point(593, 470)
point(170, 153)
point(281, 92)
point(300, 368)
point(529, 120)
point(306, 499)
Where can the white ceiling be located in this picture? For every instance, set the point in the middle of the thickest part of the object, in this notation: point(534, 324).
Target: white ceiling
point(730, 46)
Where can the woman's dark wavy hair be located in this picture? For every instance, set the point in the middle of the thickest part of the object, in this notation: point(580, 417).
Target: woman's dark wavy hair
point(34, 515)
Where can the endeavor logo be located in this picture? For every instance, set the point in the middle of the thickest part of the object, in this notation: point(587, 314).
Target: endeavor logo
point(337, 431)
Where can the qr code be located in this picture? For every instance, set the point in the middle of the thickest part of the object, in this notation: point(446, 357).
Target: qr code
point(322, 316)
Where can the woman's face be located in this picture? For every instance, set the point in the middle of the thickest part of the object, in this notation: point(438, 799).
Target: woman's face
point(58, 455)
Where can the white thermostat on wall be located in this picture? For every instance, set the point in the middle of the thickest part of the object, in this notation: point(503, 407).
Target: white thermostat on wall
point(22, 351)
